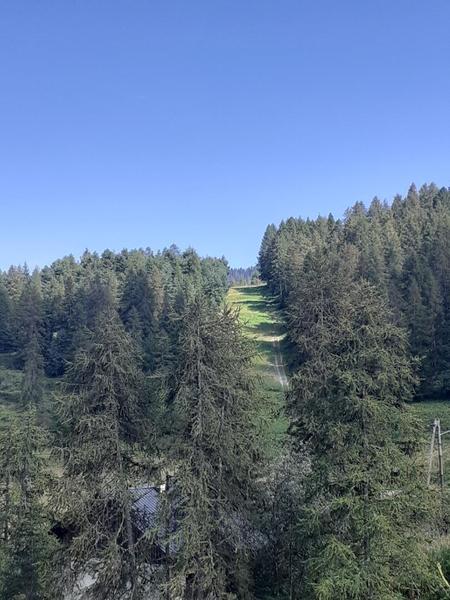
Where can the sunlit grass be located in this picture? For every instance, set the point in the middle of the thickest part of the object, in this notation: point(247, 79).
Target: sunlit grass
point(425, 413)
point(262, 324)
point(429, 410)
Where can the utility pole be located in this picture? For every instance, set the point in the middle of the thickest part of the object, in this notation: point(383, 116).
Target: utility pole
point(437, 434)
point(430, 461)
point(441, 461)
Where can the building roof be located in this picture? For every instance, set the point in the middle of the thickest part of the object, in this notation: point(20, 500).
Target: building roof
point(146, 502)
point(145, 506)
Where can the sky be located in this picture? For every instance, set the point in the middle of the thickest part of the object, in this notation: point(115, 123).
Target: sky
point(142, 123)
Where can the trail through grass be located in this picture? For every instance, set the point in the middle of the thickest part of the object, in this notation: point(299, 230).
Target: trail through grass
point(263, 325)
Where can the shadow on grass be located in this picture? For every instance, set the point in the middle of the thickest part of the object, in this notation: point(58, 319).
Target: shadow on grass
point(258, 298)
point(251, 290)
point(264, 347)
point(266, 329)
point(258, 305)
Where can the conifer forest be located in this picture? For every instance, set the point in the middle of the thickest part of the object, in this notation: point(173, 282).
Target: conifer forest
point(138, 458)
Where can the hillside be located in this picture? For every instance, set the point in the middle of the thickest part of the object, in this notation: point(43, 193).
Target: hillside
point(262, 323)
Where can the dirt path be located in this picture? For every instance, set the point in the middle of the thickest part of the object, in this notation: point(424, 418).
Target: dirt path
point(279, 366)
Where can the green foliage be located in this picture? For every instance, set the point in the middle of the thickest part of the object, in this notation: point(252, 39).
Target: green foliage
point(63, 321)
point(213, 455)
point(403, 250)
point(160, 380)
point(28, 550)
point(10, 385)
point(102, 413)
point(266, 252)
point(361, 522)
point(279, 565)
point(57, 303)
point(6, 335)
point(32, 391)
point(28, 318)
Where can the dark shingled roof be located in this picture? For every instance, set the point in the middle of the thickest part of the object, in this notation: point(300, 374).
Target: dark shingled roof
point(146, 501)
point(145, 506)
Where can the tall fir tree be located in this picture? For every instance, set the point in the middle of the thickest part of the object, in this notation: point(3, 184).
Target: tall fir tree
point(32, 389)
point(213, 457)
point(28, 549)
point(266, 252)
point(29, 314)
point(102, 413)
point(6, 335)
point(364, 501)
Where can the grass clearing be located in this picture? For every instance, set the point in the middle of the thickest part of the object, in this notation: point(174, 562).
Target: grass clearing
point(10, 386)
point(263, 325)
point(428, 410)
point(425, 412)
point(11, 380)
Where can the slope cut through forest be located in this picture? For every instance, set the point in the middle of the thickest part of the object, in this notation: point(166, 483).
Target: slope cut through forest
point(263, 324)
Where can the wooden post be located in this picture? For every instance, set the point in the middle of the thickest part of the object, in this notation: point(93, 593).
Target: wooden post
point(441, 461)
point(167, 532)
point(430, 461)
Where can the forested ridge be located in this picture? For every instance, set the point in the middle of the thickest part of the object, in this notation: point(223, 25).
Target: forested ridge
point(401, 248)
point(132, 437)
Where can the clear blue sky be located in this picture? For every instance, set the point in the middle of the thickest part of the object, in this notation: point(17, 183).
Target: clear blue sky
point(127, 123)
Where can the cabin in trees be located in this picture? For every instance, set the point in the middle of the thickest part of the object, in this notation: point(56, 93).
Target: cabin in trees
point(146, 504)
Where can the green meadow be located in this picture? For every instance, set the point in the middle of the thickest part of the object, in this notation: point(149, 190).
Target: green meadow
point(262, 324)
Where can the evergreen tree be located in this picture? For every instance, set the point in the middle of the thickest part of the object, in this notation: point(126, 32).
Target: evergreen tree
point(137, 296)
point(28, 550)
point(402, 250)
point(279, 566)
point(191, 269)
point(215, 278)
point(102, 411)
point(135, 328)
point(15, 280)
point(361, 523)
point(32, 374)
point(213, 456)
point(29, 314)
point(6, 339)
point(265, 252)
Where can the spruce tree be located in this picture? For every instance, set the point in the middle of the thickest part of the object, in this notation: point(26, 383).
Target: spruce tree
point(265, 252)
point(213, 457)
point(32, 391)
point(361, 523)
point(6, 339)
point(28, 549)
point(29, 314)
point(102, 414)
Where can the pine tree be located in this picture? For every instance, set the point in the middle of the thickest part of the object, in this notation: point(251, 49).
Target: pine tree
point(265, 252)
point(28, 550)
point(364, 498)
point(135, 328)
point(141, 307)
point(213, 456)
point(32, 391)
point(15, 280)
point(191, 269)
point(29, 314)
point(137, 296)
point(6, 339)
point(279, 566)
point(215, 278)
point(100, 293)
point(102, 411)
